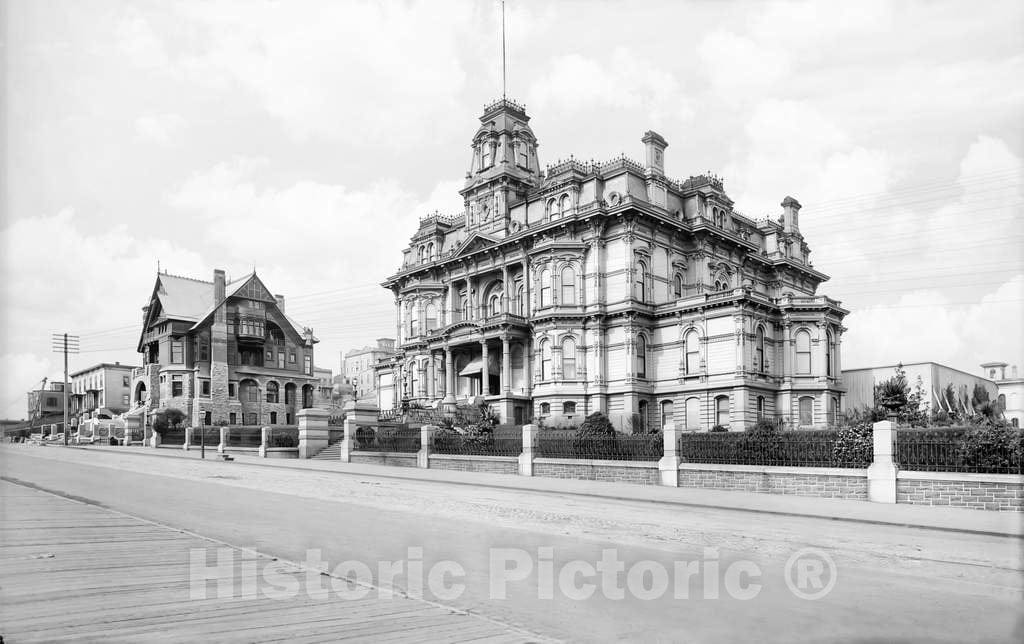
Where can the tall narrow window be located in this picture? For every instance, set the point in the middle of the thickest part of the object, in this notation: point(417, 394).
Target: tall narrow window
point(521, 300)
point(640, 288)
point(485, 154)
point(806, 410)
point(692, 352)
point(414, 322)
point(569, 359)
point(272, 392)
point(545, 288)
point(431, 317)
point(177, 387)
point(553, 209)
point(692, 413)
point(722, 411)
point(677, 286)
point(495, 304)
point(565, 205)
point(308, 364)
point(568, 286)
point(177, 351)
point(464, 307)
point(828, 353)
point(759, 350)
point(545, 360)
point(641, 357)
point(760, 407)
point(803, 352)
point(666, 412)
point(642, 408)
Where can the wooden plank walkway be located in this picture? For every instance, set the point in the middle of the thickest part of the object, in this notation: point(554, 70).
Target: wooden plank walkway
point(76, 572)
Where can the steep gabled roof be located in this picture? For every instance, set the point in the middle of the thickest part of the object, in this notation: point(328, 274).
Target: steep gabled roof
point(182, 298)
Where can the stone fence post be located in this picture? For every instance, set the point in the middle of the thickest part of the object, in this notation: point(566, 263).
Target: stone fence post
point(346, 440)
point(188, 439)
point(526, 457)
point(882, 471)
point(668, 466)
point(154, 439)
point(426, 442)
point(313, 432)
point(223, 440)
point(264, 441)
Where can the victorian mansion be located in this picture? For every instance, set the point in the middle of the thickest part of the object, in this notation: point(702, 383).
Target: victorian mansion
point(609, 287)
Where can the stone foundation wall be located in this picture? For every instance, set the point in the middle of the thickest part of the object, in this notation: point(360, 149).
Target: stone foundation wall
point(384, 458)
point(974, 491)
point(491, 464)
point(820, 482)
point(618, 471)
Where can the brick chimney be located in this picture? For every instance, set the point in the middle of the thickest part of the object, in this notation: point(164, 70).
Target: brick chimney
point(280, 302)
point(790, 215)
point(218, 286)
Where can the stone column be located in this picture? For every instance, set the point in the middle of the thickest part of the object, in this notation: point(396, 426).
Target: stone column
point(882, 471)
point(449, 376)
point(346, 441)
point(313, 433)
point(426, 442)
point(668, 466)
point(504, 290)
point(526, 287)
point(787, 351)
point(818, 357)
point(154, 440)
point(526, 457)
point(506, 367)
point(223, 440)
point(188, 439)
point(484, 371)
point(264, 441)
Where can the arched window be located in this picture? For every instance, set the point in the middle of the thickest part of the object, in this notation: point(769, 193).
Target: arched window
point(803, 352)
point(640, 286)
point(430, 251)
point(568, 408)
point(565, 205)
point(692, 352)
point(485, 154)
point(545, 408)
point(569, 359)
point(833, 411)
point(677, 286)
point(759, 350)
point(760, 407)
point(545, 288)
point(828, 353)
point(643, 415)
point(464, 306)
point(545, 360)
point(666, 412)
point(521, 300)
point(692, 413)
point(414, 322)
point(553, 209)
point(431, 317)
point(1002, 402)
point(272, 392)
point(641, 357)
point(568, 286)
point(806, 411)
point(494, 303)
point(722, 411)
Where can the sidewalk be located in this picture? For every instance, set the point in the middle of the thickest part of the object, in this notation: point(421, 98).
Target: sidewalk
point(913, 516)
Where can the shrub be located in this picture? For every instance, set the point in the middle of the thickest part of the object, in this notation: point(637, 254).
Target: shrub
point(365, 436)
point(283, 440)
point(595, 437)
point(719, 428)
point(854, 445)
point(992, 447)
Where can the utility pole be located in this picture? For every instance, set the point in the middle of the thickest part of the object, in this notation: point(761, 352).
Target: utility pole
point(64, 343)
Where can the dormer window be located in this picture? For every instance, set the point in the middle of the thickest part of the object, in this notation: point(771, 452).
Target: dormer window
point(486, 155)
point(523, 154)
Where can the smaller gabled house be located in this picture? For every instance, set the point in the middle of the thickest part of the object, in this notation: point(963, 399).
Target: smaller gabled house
point(223, 352)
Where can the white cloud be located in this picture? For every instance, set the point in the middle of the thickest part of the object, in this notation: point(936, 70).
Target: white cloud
point(25, 372)
point(162, 129)
point(737, 66)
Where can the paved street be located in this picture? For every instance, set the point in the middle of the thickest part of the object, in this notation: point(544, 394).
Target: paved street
point(890, 583)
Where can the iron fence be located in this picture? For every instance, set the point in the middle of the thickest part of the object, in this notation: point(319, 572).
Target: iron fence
point(792, 448)
point(283, 437)
point(335, 435)
point(971, 450)
point(209, 435)
point(135, 435)
point(493, 443)
point(617, 447)
point(387, 438)
point(172, 436)
point(244, 436)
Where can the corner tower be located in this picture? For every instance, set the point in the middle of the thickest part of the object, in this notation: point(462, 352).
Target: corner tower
point(504, 167)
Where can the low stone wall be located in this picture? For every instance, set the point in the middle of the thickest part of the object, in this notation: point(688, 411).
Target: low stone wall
point(282, 452)
point(1003, 492)
point(462, 463)
point(838, 483)
point(643, 473)
point(395, 459)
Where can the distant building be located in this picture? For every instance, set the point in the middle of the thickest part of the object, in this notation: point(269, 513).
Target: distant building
point(324, 388)
point(358, 367)
point(46, 404)
point(935, 378)
point(1010, 390)
point(223, 351)
point(103, 389)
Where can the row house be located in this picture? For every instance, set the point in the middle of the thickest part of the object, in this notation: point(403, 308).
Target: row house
point(102, 390)
point(610, 287)
point(223, 352)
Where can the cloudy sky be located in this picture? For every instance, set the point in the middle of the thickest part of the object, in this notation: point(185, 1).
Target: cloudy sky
point(305, 138)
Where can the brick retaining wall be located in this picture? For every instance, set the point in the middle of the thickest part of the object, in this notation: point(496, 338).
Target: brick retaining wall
point(490, 464)
point(395, 459)
point(805, 481)
point(975, 491)
point(619, 471)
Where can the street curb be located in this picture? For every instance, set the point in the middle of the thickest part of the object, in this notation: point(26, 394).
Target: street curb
point(594, 495)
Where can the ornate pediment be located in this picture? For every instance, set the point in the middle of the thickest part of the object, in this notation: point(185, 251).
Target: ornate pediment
point(475, 242)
